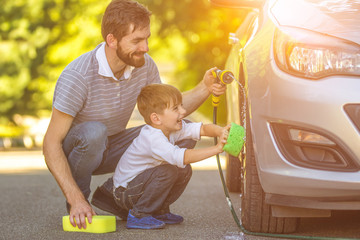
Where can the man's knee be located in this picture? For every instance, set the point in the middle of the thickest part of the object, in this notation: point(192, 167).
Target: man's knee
point(94, 133)
point(186, 143)
point(86, 142)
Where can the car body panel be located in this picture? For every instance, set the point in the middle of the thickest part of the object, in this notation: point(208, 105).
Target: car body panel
point(275, 96)
point(336, 18)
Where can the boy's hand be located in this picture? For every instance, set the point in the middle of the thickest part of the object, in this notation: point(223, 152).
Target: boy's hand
point(223, 137)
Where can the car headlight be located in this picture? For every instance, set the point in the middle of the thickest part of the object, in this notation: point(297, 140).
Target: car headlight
point(312, 55)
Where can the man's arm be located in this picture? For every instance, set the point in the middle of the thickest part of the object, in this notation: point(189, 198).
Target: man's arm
point(193, 98)
point(57, 163)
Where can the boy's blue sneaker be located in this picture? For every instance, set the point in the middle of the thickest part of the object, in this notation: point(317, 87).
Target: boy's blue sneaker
point(170, 218)
point(144, 223)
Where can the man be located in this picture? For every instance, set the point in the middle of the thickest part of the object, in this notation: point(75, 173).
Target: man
point(93, 101)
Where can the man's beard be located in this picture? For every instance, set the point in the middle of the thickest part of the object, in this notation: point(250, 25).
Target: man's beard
point(129, 60)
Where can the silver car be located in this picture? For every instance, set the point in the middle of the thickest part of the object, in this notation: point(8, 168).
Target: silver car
point(299, 63)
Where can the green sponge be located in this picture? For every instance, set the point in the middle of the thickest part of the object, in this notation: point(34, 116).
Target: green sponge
point(99, 224)
point(235, 140)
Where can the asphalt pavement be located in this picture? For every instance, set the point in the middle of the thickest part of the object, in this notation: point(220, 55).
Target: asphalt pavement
point(32, 205)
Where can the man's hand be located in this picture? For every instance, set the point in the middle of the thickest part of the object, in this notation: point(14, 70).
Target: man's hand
point(212, 83)
point(193, 98)
point(78, 212)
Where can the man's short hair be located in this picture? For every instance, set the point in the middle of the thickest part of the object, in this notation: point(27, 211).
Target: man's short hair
point(120, 15)
point(155, 98)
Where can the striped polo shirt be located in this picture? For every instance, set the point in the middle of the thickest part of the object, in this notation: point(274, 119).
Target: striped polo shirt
point(88, 90)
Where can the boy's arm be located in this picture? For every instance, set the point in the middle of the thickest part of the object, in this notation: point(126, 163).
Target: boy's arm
point(196, 155)
point(210, 130)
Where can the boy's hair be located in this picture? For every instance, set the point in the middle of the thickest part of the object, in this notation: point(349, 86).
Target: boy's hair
point(120, 14)
point(155, 98)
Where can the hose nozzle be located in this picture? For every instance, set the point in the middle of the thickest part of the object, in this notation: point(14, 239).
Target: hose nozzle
point(224, 77)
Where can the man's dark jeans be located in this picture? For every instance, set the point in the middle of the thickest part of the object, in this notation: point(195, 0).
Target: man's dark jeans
point(152, 191)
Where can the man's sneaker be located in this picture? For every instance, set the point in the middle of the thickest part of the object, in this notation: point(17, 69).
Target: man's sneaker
point(143, 223)
point(107, 203)
point(170, 218)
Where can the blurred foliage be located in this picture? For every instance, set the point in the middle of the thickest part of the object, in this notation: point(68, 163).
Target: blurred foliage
point(195, 36)
point(38, 38)
point(10, 131)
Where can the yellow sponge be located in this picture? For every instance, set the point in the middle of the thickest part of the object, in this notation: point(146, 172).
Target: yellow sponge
point(99, 224)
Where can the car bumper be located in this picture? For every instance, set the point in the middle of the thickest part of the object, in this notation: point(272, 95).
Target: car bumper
point(277, 97)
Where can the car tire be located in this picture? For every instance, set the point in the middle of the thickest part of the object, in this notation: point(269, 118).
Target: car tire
point(233, 173)
point(256, 214)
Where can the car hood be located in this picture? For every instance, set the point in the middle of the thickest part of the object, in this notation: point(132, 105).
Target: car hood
point(339, 18)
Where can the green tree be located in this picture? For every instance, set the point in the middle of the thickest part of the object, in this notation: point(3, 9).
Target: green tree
point(38, 38)
point(194, 34)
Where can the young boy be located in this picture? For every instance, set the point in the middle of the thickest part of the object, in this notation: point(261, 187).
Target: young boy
point(153, 172)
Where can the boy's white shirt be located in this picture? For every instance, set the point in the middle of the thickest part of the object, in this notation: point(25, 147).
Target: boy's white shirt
point(152, 148)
